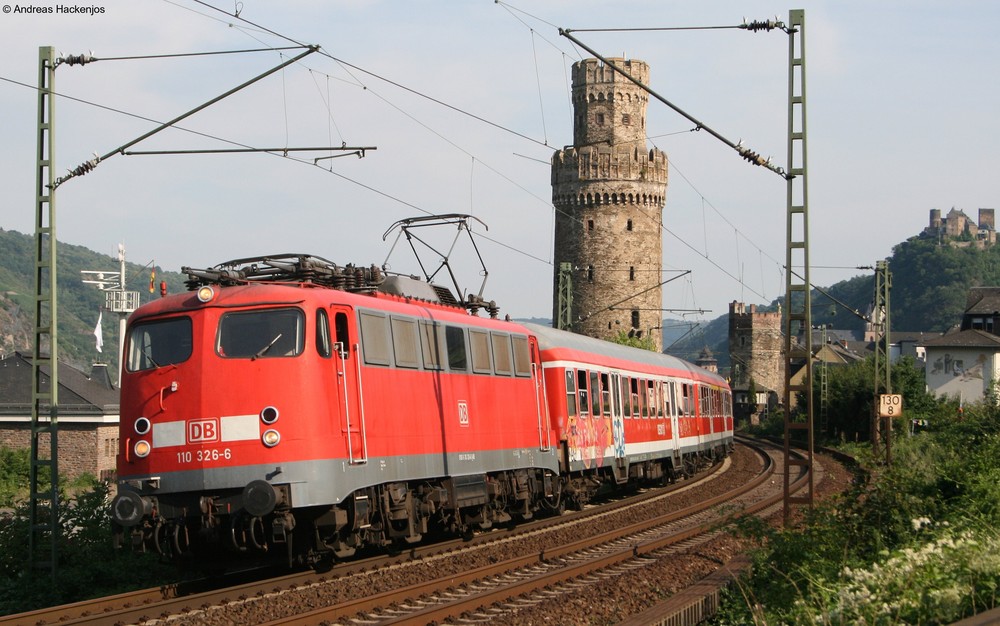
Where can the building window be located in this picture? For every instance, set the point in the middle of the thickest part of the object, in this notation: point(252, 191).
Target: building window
point(628, 225)
point(626, 119)
point(590, 273)
point(631, 273)
point(590, 224)
point(635, 319)
point(600, 119)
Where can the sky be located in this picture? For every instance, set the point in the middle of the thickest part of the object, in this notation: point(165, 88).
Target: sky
point(462, 104)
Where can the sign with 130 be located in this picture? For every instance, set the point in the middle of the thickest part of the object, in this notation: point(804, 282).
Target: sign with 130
point(890, 405)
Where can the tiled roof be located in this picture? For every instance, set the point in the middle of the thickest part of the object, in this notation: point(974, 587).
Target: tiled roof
point(983, 301)
point(964, 338)
point(77, 391)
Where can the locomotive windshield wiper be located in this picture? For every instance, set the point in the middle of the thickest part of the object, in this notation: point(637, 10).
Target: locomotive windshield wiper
point(146, 352)
point(264, 350)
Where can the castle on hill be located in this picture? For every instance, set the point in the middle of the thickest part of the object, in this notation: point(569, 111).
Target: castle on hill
point(960, 231)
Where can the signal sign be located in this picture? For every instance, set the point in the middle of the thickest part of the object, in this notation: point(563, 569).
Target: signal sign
point(890, 405)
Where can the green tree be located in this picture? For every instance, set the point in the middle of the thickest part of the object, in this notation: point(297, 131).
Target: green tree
point(645, 343)
point(851, 397)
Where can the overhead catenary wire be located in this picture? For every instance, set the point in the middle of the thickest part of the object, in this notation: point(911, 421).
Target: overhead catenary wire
point(457, 109)
point(473, 157)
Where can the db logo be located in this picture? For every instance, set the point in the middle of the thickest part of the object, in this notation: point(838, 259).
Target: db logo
point(203, 430)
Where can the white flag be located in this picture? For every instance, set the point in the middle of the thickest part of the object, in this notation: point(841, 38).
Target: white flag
point(97, 332)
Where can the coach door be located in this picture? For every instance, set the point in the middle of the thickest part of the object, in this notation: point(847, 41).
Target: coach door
point(347, 360)
point(675, 427)
point(618, 426)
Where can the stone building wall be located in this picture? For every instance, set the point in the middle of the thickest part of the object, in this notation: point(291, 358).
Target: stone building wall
point(756, 347)
point(83, 448)
point(609, 190)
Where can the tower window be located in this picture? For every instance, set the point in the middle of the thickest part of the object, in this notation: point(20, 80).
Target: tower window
point(631, 272)
point(635, 319)
point(590, 224)
point(628, 225)
point(600, 119)
point(590, 273)
point(626, 119)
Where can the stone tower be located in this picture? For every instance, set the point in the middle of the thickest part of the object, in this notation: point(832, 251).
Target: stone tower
point(755, 349)
point(608, 191)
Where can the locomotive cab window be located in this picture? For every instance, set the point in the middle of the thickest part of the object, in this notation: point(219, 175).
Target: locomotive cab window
point(323, 346)
point(343, 336)
point(262, 333)
point(155, 344)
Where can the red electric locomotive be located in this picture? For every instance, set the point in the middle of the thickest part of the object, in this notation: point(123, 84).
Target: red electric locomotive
point(292, 406)
point(266, 408)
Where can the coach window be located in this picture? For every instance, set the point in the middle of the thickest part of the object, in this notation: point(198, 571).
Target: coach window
point(626, 398)
point(261, 333)
point(430, 345)
point(479, 343)
point(570, 394)
point(458, 360)
point(634, 395)
point(668, 398)
point(155, 344)
point(605, 394)
point(323, 334)
point(522, 356)
point(581, 379)
point(595, 395)
point(502, 363)
point(644, 398)
point(374, 338)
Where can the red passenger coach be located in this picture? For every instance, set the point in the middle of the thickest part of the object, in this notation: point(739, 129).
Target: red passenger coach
point(629, 413)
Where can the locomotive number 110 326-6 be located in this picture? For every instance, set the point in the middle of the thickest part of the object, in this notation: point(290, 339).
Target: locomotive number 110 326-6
point(200, 456)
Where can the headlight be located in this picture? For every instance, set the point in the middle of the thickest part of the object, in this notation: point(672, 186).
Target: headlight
point(269, 415)
point(270, 438)
point(142, 448)
point(142, 425)
point(205, 294)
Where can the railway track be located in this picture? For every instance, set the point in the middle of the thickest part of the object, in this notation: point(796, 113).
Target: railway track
point(448, 592)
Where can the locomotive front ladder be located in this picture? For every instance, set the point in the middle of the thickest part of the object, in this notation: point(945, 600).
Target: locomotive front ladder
point(357, 453)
